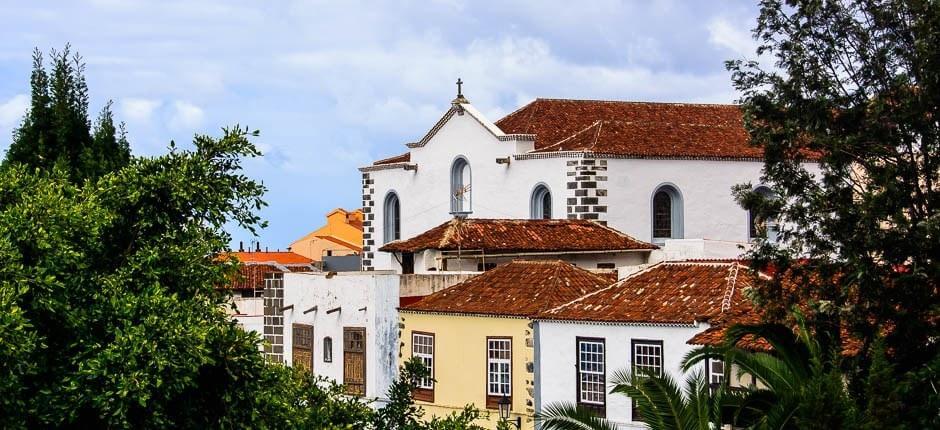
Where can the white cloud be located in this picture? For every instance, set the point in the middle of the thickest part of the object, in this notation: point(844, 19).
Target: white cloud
point(186, 116)
point(138, 109)
point(12, 111)
point(733, 37)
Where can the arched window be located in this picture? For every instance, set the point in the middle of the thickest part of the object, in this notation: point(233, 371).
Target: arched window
point(392, 218)
point(667, 213)
point(541, 204)
point(327, 349)
point(759, 227)
point(460, 187)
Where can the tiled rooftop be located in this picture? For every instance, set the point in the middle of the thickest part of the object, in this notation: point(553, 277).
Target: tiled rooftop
point(517, 235)
point(518, 288)
point(665, 293)
point(255, 265)
point(639, 129)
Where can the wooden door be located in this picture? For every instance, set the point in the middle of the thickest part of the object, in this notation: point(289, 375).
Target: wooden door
point(303, 347)
point(354, 360)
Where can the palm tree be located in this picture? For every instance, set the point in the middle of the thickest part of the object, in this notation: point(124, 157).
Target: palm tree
point(793, 378)
point(797, 385)
point(660, 401)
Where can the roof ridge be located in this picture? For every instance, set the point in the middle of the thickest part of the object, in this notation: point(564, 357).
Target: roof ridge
point(552, 99)
point(611, 286)
point(576, 134)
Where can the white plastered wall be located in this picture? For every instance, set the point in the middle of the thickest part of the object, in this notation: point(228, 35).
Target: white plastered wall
point(351, 291)
point(556, 358)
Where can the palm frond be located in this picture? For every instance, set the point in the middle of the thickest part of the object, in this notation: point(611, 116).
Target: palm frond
point(658, 398)
point(568, 416)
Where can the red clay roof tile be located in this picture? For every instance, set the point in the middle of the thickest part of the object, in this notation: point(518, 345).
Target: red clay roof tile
point(519, 235)
point(637, 129)
point(518, 288)
point(666, 293)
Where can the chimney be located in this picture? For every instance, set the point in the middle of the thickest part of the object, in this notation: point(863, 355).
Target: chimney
point(258, 246)
point(241, 246)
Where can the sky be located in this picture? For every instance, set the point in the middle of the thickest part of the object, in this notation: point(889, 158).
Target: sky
point(334, 85)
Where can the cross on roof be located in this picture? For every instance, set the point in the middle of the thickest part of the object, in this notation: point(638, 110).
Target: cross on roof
point(459, 88)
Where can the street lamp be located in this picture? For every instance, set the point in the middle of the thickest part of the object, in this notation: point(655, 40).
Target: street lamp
point(504, 405)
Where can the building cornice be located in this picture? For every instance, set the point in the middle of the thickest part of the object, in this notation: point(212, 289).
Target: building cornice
point(391, 166)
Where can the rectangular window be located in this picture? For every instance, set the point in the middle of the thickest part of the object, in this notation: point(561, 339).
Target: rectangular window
point(647, 360)
point(422, 348)
point(498, 370)
point(592, 377)
point(716, 371)
point(328, 349)
point(354, 360)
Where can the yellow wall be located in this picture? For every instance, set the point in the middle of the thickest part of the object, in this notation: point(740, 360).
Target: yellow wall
point(314, 247)
point(460, 361)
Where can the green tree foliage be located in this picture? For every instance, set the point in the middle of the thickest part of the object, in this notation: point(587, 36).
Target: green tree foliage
point(108, 312)
point(856, 85)
point(56, 130)
point(400, 413)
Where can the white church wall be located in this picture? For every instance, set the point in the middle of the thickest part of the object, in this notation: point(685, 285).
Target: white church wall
point(497, 190)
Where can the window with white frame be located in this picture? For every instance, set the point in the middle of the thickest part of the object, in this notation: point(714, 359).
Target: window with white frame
point(647, 360)
point(592, 387)
point(498, 369)
point(648, 357)
point(716, 371)
point(422, 348)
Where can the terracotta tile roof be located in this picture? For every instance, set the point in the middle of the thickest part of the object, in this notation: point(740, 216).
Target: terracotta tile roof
point(519, 288)
point(400, 158)
point(666, 293)
point(254, 266)
point(519, 235)
point(279, 257)
point(638, 129)
point(251, 276)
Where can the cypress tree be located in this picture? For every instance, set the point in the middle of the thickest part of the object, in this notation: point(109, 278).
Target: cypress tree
point(56, 131)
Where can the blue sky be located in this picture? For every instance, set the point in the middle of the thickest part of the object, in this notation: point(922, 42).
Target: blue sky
point(334, 85)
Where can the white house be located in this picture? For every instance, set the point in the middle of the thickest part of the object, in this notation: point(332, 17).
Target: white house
point(344, 326)
point(655, 171)
point(643, 322)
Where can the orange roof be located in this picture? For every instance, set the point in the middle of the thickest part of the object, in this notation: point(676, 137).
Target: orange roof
point(279, 257)
point(520, 235)
point(665, 293)
point(640, 129)
point(518, 288)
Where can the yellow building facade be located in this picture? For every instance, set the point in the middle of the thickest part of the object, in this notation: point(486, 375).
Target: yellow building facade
point(477, 338)
point(467, 351)
point(341, 235)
